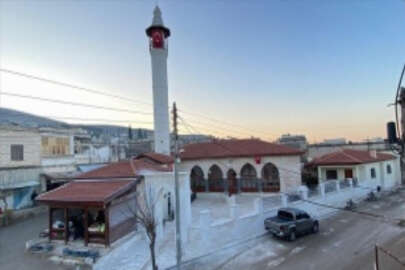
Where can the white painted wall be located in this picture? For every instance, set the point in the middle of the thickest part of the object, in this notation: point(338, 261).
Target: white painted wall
point(160, 100)
point(363, 173)
point(162, 183)
point(94, 155)
point(340, 171)
point(289, 167)
point(58, 164)
point(31, 140)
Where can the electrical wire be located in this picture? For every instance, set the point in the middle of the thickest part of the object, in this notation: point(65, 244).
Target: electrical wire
point(99, 120)
point(206, 129)
point(240, 133)
point(73, 86)
point(127, 99)
point(74, 103)
point(213, 120)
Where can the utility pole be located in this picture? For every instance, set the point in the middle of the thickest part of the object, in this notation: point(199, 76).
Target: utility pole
point(400, 98)
point(176, 185)
point(377, 264)
point(402, 138)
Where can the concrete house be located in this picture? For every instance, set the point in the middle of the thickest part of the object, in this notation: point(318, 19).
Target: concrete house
point(379, 169)
point(20, 165)
point(29, 157)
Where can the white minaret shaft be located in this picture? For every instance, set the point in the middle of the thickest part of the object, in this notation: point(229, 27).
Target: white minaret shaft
point(158, 34)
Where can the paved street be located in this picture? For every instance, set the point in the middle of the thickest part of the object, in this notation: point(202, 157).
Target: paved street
point(12, 246)
point(346, 241)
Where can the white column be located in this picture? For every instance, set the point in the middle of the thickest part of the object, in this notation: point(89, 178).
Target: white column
point(284, 200)
point(71, 145)
point(322, 189)
point(303, 192)
point(320, 174)
point(258, 206)
point(205, 229)
point(234, 211)
point(337, 185)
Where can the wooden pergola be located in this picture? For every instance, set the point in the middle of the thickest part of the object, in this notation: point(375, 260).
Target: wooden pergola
point(108, 196)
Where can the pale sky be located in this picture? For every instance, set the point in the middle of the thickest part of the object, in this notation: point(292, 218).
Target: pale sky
point(325, 69)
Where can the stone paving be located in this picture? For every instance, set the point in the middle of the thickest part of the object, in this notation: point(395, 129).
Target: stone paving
point(134, 253)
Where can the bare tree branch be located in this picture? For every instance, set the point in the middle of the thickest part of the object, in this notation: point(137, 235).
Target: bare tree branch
point(143, 212)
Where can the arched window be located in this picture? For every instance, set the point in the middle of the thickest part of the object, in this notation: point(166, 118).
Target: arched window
point(215, 179)
point(248, 177)
point(197, 179)
point(270, 178)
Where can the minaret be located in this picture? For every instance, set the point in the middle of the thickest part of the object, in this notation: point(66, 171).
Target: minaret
point(158, 35)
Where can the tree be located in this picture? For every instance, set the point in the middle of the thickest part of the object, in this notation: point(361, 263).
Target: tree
point(144, 214)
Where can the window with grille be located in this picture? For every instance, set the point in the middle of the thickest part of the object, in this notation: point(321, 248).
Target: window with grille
point(17, 152)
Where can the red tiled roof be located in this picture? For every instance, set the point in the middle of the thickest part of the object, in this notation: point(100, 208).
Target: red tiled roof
point(159, 158)
point(349, 157)
point(143, 164)
point(123, 169)
point(87, 191)
point(113, 170)
point(235, 148)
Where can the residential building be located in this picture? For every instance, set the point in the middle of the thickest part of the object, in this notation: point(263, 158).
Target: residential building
point(379, 168)
point(20, 164)
point(334, 141)
point(317, 150)
point(31, 158)
point(296, 141)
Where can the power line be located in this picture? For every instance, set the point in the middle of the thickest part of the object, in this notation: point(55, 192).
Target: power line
point(100, 120)
point(127, 99)
point(64, 84)
point(240, 132)
point(220, 121)
point(73, 103)
point(189, 127)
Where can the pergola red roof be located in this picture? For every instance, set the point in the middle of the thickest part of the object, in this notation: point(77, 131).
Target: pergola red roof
point(350, 157)
point(235, 148)
point(97, 192)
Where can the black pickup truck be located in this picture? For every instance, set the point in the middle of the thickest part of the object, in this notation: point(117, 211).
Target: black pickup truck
point(291, 222)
